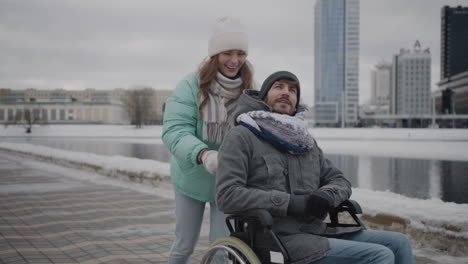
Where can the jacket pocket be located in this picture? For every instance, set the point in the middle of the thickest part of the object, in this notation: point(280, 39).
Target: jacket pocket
point(276, 172)
point(309, 173)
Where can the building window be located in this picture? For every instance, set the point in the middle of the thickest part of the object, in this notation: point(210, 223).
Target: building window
point(44, 114)
point(105, 115)
point(10, 114)
point(18, 115)
point(62, 114)
point(36, 114)
point(79, 114)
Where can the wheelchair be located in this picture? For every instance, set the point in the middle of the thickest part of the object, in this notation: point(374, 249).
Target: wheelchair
point(252, 240)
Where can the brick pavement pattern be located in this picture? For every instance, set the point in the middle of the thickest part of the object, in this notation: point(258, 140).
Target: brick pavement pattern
point(48, 218)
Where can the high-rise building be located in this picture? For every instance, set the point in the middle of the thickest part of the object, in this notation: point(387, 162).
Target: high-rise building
point(336, 62)
point(381, 83)
point(452, 97)
point(380, 91)
point(411, 88)
point(454, 41)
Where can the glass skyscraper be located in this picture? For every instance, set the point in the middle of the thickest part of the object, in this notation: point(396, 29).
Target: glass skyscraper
point(453, 85)
point(454, 41)
point(336, 62)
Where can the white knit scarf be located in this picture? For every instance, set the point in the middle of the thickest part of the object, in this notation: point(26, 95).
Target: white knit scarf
point(222, 102)
point(288, 132)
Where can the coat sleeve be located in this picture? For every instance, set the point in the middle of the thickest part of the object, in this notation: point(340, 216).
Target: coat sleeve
point(232, 191)
point(180, 123)
point(332, 180)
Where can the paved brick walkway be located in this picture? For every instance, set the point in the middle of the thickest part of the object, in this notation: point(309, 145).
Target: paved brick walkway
point(48, 218)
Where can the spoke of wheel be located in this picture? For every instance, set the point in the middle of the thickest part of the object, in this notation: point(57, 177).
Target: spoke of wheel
point(209, 255)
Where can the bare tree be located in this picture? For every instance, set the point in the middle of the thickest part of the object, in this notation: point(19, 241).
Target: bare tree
point(139, 105)
point(27, 117)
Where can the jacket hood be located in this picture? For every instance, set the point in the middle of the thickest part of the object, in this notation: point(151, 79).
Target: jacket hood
point(250, 101)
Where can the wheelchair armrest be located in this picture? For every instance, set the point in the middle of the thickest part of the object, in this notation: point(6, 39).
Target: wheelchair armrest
point(350, 206)
point(262, 215)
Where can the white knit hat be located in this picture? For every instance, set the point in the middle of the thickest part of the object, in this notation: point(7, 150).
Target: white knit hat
point(228, 34)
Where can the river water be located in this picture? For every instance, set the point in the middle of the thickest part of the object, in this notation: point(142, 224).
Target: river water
point(418, 178)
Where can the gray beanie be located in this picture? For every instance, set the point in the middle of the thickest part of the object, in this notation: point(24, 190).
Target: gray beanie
point(228, 34)
point(279, 75)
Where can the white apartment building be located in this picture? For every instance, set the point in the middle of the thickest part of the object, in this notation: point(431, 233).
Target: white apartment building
point(381, 84)
point(79, 107)
point(411, 88)
point(61, 95)
point(60, 113)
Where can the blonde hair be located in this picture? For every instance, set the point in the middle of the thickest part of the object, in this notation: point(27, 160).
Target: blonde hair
point(208, 70)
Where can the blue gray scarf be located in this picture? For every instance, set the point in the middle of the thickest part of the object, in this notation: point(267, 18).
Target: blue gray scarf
point(287, 132)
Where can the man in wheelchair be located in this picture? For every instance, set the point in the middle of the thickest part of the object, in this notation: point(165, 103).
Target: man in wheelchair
point(270, 161)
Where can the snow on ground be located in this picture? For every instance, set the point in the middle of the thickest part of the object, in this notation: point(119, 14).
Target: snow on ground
point(114, 166)
point(426, 215)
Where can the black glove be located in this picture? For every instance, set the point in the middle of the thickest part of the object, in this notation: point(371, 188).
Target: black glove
point(319, 203)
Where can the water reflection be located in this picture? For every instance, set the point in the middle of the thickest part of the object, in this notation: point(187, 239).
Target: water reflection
point(101, 147)
point(455, 181)
point(424, 179)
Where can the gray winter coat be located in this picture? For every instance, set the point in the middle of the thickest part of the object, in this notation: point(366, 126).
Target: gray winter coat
point(254, 174)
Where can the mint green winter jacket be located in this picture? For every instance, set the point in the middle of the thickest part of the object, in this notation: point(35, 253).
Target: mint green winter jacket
point(182, 135)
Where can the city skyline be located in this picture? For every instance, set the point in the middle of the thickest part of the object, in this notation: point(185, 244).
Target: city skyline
point(106, 45)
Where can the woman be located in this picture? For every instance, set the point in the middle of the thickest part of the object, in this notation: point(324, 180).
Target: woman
point(196, 119)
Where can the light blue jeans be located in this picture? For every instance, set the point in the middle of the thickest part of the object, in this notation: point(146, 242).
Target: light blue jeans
point(369, 246)
point(189, 218)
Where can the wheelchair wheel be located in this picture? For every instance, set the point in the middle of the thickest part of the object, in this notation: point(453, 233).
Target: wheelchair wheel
point(237, 250)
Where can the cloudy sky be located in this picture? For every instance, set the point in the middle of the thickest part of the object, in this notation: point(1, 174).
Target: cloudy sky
point(106, 44)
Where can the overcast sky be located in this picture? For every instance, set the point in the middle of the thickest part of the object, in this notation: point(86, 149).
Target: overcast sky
point(106, 44)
